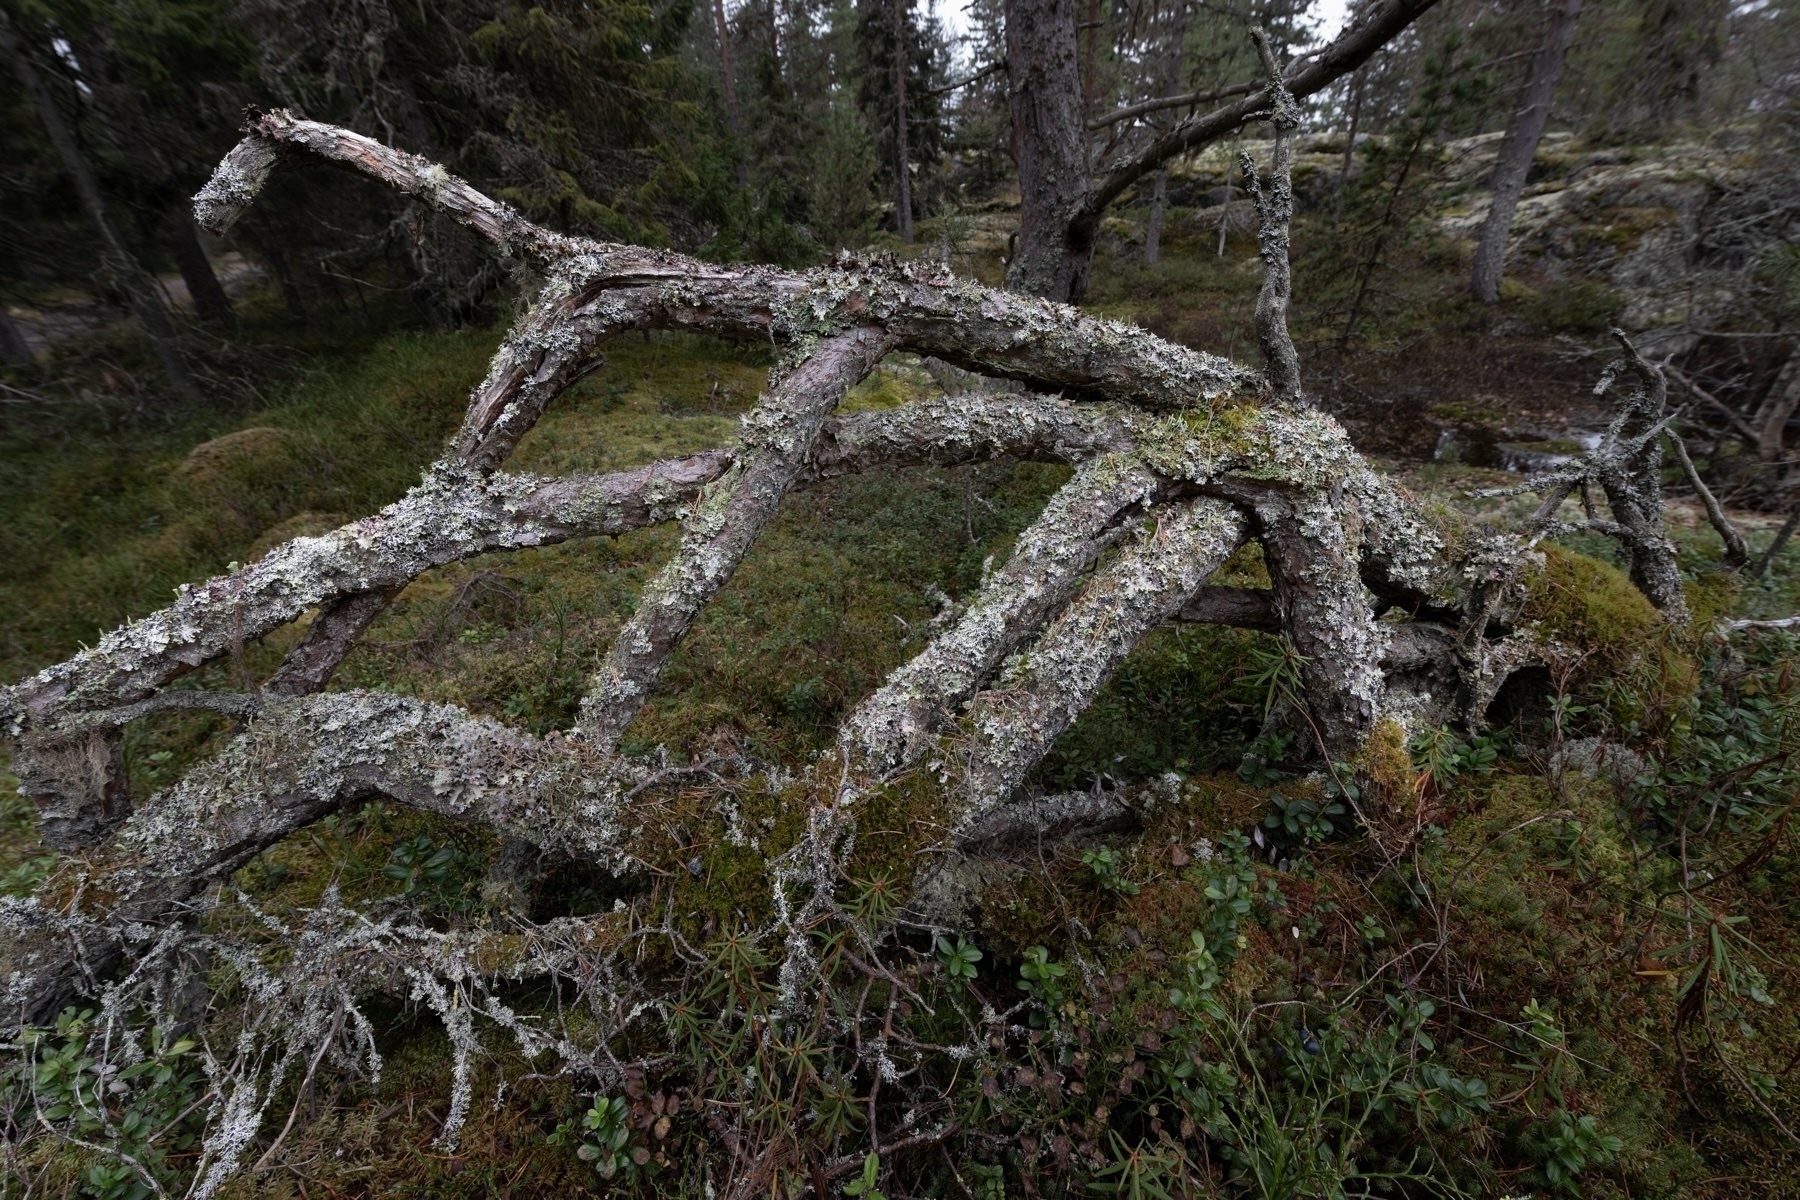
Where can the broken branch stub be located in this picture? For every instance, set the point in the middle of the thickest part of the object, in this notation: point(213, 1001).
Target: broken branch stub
point(1177, 463)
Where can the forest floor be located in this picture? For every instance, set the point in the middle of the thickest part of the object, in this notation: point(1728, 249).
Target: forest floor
point(1531, 946)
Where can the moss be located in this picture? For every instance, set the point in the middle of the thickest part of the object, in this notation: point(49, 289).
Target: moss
point(1386, 760)
point(1591, 607)
point(712, 847)
point(896, 824)
point(1575, 307)
point(1712, 596)
point(1174, 705)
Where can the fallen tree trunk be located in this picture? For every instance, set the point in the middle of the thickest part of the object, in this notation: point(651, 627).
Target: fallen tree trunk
point(1180, 458)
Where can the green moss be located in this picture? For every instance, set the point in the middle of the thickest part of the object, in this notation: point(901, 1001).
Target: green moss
point(1591, 607)
point(1172, 706)
point(1386, 760)
point(1575, 307)
point(1712, 596)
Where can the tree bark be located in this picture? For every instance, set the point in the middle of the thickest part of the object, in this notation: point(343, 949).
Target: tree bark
point(1517, 148)
point(15, 351)
point(139, 288)
point(728, 80)
point(1153, 225)
point(1049, 145)
point(1275, 211)
point(1062, 201)
point(1770, 421)
point(903, 205)
point(778, 435)
point(211, 304)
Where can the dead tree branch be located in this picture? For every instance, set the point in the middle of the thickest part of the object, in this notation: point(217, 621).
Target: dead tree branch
point(1177, 463)
point(1275, 211)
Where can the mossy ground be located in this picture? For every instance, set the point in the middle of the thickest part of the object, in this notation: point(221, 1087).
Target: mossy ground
point(1520, 884)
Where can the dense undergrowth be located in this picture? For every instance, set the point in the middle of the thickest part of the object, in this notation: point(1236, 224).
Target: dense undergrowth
point(1558, 959)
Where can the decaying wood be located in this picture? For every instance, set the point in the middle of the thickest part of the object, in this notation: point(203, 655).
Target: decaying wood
point(1180, 458)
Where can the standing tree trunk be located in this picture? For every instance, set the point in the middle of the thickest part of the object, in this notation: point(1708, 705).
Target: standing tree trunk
point(1090, 53)
point(119, 111)
point(15, 351)
point(1770, 421)
point(729, 81)
point(903, 208)
point(1343, 179)
point(1517, 148)
point(1049, 145)
point(1062, 196)
point(211, 304)
point(139, 289)
point(1159, 196)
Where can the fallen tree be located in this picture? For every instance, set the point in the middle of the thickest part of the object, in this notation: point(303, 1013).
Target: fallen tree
point(1398, 620)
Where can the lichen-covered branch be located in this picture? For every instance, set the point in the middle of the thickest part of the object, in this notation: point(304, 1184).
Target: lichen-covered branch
point(1326, 613)
point(1627, 467)
point(296, 761)
point(452, 515)
point(1179, 458)
point(594, 284)
point(777, 435)
point(240, 178)
point(966, 429)
point(1042, 689)
point(894, 726)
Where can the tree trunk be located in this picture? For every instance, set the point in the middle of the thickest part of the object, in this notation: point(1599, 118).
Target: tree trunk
point(728, 80)
point(1049, 144)
point(1153, 226)
point(139, 288)
point(211, 304)
point(1518, 147)
point(1090, 53)
point(1770, 421)
point(903, 207)
point(1343, 179)
point(1062, 196)
point(15, 351)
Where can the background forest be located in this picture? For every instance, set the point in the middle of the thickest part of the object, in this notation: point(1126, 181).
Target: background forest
point(1559, 956)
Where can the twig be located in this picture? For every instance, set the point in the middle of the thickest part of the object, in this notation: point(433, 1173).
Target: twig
point(1736, 553)
point(1780, 623)
point(1729, 413)
point(1775, 547)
